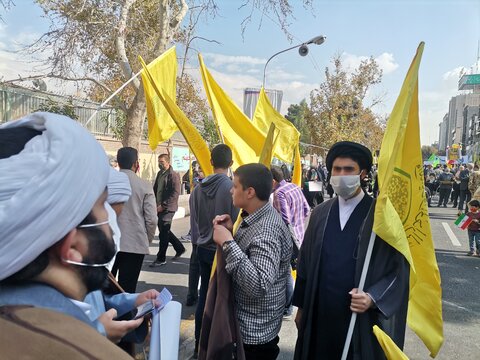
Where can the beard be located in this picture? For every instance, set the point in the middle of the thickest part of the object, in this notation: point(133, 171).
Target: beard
point(101, 249)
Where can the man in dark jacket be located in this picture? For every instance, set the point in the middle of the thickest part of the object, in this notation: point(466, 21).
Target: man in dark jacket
point(330, 262)
point(445, 188)
point(166, 190)
point(211, 198)
point(465, 195)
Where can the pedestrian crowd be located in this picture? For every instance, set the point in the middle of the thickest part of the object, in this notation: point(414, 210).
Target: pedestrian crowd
point(74, 233)
point(457, 186)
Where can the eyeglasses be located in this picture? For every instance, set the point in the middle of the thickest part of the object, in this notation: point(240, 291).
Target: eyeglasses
point(90, 265)
point(93, 225)
point(85, 264)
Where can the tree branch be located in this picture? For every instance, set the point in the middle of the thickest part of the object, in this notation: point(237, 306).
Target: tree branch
point(120, 43)
point(177, 19)
point(160, 44)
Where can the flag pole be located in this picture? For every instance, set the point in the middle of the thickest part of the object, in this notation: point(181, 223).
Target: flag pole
point(111, 97)
point(363, 277)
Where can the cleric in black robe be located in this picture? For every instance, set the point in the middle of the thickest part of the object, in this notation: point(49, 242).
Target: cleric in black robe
point(330, 264)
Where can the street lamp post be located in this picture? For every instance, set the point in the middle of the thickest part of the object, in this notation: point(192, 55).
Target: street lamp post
point(303, 51)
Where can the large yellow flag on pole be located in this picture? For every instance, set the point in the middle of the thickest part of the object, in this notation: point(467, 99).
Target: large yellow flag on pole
point(189, 132)
point(238, 132)
point(401, 216)
point(287, 145)
point(160, 124)
point(288, 138)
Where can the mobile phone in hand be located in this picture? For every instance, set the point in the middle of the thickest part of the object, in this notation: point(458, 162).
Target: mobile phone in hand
point(144, 309)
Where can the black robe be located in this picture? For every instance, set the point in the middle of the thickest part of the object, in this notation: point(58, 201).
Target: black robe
point(387, 282)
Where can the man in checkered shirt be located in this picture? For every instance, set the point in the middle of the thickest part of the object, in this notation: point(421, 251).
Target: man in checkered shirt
point(258, 260)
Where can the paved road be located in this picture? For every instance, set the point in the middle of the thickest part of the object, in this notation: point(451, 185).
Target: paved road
point(460, 282)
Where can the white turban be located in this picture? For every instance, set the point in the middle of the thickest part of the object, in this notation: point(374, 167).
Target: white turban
point(119, 189)
point(48, 188)
point(116, 234)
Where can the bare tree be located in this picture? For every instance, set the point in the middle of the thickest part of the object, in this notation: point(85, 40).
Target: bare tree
point(99, 40)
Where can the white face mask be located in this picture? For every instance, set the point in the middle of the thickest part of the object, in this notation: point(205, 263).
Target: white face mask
point(345, 185)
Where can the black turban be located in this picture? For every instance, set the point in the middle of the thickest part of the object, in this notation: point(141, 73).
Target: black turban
point(349, 149)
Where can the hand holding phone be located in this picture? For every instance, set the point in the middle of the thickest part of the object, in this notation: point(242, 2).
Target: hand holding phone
point(144, 309)
point(138, 312)
point(116, 329)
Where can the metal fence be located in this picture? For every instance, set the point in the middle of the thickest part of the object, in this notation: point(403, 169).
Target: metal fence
point(16, 102)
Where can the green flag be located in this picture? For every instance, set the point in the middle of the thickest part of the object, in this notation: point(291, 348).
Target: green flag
point(434, 159)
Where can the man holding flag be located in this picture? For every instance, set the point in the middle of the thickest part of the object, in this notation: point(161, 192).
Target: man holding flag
point(330, 264)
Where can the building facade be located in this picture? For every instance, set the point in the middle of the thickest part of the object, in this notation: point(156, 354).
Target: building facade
point(461, 124)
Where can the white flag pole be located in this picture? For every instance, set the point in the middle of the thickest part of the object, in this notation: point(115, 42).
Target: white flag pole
point(363, 276)
point(111, 97)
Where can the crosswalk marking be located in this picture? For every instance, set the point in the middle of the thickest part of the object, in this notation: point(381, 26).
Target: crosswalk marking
point(451, 235)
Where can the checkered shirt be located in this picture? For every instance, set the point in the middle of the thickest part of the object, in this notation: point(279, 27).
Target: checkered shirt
point(259, 263)
point(289, 201)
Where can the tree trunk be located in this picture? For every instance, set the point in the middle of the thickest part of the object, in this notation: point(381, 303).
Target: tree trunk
point(133, 131)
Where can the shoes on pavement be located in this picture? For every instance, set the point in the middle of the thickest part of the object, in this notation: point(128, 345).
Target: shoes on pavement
point(471, 253)
point(178, 254)
point(444, 205)
point(157, 263)
point(186, 238)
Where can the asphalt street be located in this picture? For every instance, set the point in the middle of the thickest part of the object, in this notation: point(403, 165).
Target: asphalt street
point(460, 276)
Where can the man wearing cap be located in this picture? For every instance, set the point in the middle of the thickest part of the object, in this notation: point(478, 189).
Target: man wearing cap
point(330, 263)
point(55, 239)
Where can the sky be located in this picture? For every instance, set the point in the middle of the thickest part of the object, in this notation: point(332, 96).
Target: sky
point(389, 31)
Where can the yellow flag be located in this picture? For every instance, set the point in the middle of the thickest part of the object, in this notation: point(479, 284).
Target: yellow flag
point(297, 168)
point(401, 215)
point(160, 124)
point(391, 350)
point(189, 132)
point(238, 132)
point(267, 151)
point(288, 137)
